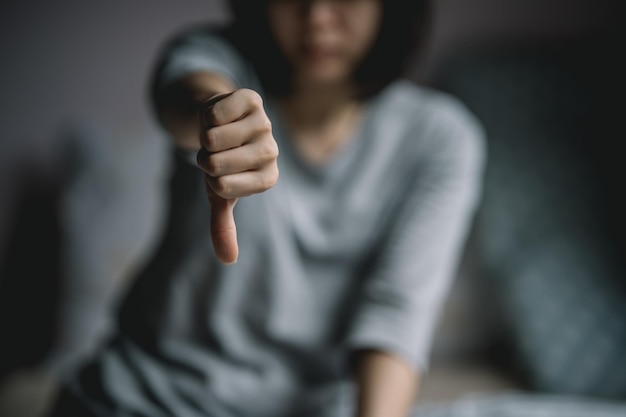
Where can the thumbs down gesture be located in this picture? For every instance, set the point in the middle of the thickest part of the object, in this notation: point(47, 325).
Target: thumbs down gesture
point(238, 156)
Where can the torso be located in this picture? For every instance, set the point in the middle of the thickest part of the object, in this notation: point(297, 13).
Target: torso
point(265, 337)
point(319, 142)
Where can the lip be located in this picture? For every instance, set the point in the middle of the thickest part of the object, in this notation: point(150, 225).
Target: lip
point(319, 52)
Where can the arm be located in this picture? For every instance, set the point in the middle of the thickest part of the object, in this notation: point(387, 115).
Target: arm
point(405, 286)
point(232, 137)
point(178, 104)
point(192, 66)
point(387, 385)
point(236, 149)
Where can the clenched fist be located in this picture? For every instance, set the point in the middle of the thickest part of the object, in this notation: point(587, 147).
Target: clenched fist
point(238, 156)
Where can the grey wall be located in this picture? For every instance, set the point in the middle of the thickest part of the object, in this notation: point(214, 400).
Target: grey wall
point(71, 59)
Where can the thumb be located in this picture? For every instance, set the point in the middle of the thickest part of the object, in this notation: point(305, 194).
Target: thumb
point(223, 229)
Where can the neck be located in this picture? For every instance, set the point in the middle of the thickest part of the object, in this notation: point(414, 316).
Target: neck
point(316, 106)
point(321, 120)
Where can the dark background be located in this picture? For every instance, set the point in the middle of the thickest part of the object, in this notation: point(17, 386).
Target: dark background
point(66, 62)
point(76, 59)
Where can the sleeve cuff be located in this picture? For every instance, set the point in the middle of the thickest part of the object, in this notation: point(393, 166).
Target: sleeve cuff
point(387, 329)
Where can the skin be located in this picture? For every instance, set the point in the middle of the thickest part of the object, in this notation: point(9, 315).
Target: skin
point(388, 385)
point(236, 149)
point(323, 40)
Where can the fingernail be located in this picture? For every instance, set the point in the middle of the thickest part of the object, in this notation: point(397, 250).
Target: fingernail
point(230, 263)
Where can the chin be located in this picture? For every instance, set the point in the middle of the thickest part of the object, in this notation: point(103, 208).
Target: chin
point(324, 77)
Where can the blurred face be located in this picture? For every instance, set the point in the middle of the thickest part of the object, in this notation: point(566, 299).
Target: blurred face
point(324, 40)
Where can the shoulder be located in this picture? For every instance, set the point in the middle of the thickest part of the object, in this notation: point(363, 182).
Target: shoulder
point(201, 41)
point(435, 120)
point(427, 107)
point(203, 47)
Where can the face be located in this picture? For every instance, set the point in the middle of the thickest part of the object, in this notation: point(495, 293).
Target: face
point(324, 40)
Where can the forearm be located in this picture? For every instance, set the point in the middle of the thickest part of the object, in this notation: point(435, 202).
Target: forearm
point(387, 385)
point(178, 104)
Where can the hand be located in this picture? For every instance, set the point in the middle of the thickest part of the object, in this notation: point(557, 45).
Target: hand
point(238, 156)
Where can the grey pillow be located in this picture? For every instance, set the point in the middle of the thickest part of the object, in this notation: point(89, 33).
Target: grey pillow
point(518, 404)
point(544, 231)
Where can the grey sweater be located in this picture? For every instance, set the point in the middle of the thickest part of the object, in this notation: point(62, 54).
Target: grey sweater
point(358, 253)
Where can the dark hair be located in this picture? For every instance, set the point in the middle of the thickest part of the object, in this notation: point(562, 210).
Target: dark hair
point(402, 30)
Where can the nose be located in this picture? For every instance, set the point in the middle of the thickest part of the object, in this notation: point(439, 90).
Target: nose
point(318, 13)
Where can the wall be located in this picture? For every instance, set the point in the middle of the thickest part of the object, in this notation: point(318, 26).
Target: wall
point(73, 59)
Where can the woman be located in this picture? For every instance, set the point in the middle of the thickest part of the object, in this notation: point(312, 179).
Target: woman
point(323, 300)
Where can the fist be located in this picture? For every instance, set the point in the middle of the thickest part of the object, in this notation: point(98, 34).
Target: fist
point(238, 156)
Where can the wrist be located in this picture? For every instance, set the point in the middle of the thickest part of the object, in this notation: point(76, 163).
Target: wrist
point(387, 385)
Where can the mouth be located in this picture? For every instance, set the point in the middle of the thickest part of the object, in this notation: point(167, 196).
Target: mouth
point(317, 52)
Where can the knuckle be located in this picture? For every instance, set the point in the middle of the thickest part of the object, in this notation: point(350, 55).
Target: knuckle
point(269, 150)
point(214, 165)
point(265, 125)
point(211, 116)
point(269, 179)
point(275, 150)
point(254, 99)
point(275, 175)
point(210, 140)
point(262, 126)
point(222, 187)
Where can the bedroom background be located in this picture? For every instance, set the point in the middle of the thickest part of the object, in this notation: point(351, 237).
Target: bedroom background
point(539, 305)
